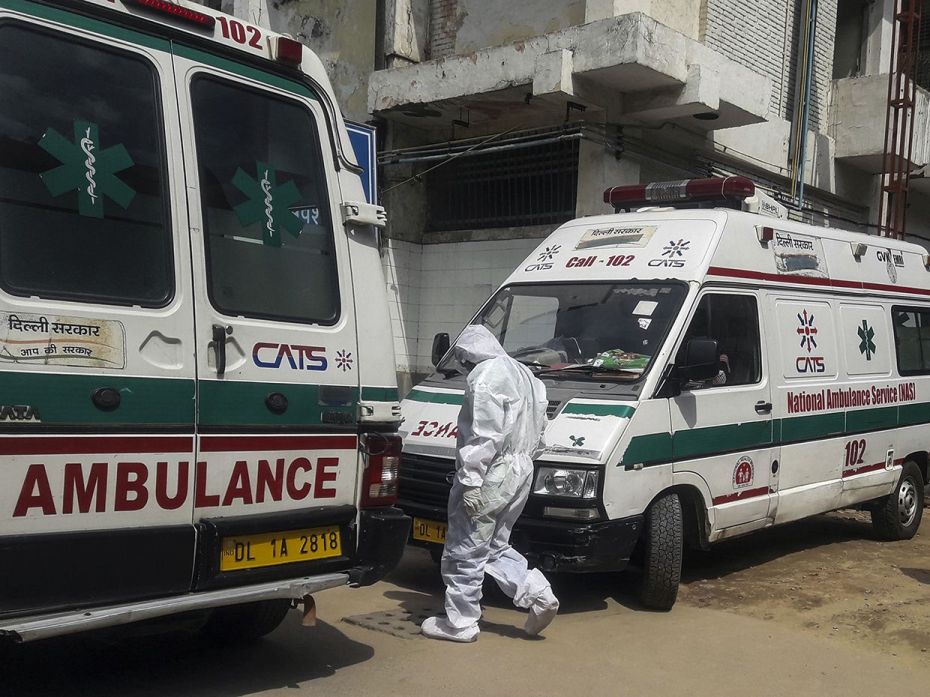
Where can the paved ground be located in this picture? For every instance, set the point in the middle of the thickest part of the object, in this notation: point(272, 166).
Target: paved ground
point(816, 608)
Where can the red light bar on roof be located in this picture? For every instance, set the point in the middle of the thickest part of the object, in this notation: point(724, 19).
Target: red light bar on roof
point(715, 188)
point(201, 19)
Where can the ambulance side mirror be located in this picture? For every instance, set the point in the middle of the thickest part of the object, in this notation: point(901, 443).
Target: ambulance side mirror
point(440, 347)
point(698, 359)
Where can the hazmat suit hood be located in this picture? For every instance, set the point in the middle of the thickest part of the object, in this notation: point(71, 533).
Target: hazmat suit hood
point(476, 344)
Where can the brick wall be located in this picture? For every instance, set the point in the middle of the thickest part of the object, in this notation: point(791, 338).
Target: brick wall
point(763, 36)
point(442, 27)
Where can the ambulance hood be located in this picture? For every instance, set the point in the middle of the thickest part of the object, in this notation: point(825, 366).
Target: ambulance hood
point(580, 430)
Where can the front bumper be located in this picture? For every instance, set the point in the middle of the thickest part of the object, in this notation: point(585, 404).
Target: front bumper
point(572, 547)
point(562, 546)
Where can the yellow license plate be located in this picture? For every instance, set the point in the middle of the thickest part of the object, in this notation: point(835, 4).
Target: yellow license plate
point(429, 530)
point(273, 548)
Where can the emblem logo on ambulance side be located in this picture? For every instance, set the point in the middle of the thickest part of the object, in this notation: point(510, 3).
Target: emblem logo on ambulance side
point(743, 473)
point(670, 254)
point(866, 345)
point(808, 334)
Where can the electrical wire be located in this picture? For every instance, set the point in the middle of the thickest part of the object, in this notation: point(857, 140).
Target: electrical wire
point(417, 176)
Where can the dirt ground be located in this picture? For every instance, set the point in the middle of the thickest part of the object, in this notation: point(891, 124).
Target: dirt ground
point(814, 609)
point(826, 575)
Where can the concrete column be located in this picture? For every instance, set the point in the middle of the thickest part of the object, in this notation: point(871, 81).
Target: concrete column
point(598, 170)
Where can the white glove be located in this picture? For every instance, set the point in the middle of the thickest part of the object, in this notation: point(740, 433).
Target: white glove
point(471, 500)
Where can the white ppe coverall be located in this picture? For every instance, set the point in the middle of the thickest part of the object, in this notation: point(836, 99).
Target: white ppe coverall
point(501, 428)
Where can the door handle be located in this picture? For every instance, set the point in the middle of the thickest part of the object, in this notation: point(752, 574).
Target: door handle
point(763, 407)
point(106, 398)
point(219, 346)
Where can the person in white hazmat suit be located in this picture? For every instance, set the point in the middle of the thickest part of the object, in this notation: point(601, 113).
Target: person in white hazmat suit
point(501, 428)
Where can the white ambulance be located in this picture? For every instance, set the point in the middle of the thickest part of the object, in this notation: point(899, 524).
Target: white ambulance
point(710, 372)
point(189, 420)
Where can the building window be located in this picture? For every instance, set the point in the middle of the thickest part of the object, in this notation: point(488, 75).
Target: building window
point(851, 38)
point(922, 71)
point(533, 185)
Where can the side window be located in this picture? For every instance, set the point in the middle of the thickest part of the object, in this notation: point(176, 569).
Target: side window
point(733, 322)
point(266, 213)
point(864, 338)
point(84, 209)
point(912, 340)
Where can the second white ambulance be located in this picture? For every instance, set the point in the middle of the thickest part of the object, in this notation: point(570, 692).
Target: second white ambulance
point(710, 372)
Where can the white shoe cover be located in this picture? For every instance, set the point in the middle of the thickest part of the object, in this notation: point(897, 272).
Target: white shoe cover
point(439, 628)
point(542, 612)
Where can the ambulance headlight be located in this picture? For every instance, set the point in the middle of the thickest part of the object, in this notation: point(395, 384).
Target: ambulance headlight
point(563, 481)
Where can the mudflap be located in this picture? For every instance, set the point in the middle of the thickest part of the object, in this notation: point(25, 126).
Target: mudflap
point(382, 536)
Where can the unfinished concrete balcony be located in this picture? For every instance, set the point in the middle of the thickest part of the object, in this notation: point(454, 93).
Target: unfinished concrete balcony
point(857, 123)
point(632, 68)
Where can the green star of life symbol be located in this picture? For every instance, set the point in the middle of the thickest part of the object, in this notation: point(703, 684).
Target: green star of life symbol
point(866, 346)
point(86, 168)
point(268, 204)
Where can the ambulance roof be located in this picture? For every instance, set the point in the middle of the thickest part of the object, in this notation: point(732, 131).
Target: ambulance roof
point(726, 246)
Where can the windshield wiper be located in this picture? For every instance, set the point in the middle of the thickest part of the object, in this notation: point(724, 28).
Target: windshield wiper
point(530, 364)
point(590, 369)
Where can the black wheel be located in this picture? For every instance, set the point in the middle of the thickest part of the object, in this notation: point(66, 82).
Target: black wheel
point(238, 624)
point(435, 553)
point(897, 516)
point(662, 550)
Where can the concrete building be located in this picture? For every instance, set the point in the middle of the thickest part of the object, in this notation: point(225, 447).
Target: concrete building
point(498, 121)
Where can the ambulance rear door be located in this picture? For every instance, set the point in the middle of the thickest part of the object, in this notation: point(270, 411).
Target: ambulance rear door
point(96, 341)
point(275, 328)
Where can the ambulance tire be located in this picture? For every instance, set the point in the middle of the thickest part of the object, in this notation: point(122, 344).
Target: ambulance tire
point(663, 538)
point(242, 624)
point(897, 516)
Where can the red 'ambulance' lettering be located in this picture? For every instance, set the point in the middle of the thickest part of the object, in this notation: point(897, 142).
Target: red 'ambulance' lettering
point(131, 494)
point(170, 503)
point(430, 429)
point(94, 488)
point(239, 485)
point(85, 486)
point(36, 493)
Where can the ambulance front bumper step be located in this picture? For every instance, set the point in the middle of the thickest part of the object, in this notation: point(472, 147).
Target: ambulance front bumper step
point(71, 622)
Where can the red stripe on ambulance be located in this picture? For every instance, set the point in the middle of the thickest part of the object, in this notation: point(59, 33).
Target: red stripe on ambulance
point(740, 495)
point(78, 445)
point(224, 444)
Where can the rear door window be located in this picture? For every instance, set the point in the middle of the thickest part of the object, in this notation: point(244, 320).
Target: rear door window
point(83, 208)
point(267, 223)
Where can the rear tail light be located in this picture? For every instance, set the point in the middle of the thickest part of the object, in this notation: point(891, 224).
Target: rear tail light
point(185, 14)
point(713, 189)
point(381, 456)
point(287, 50)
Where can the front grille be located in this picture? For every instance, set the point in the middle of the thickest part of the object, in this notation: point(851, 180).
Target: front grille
point(423, 480)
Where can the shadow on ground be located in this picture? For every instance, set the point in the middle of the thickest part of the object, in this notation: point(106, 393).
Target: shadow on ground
point(119, 664)
point(590, 592)
point(744, 553)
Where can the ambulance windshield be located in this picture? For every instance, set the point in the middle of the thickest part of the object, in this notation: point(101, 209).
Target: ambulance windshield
point(578, 329)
